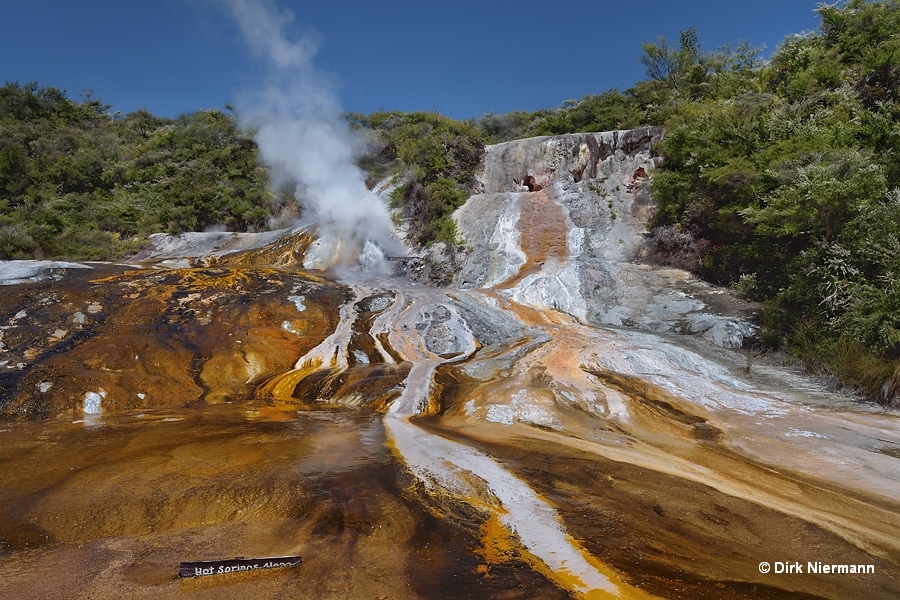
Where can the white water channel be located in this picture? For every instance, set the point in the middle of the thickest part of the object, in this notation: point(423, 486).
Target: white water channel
point(466, 473)
point(448, 466)
point(457, 469)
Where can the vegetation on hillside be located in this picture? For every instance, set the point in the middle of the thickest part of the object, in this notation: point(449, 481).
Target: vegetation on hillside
point(788, 187)
point(436, 157)
point(79, 183)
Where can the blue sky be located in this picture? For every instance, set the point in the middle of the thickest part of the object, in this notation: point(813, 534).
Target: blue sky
point(463, 58)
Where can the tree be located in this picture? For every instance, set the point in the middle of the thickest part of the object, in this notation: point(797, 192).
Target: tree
point(672, 66)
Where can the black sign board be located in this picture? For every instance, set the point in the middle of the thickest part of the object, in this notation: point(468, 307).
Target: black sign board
point(217, 567)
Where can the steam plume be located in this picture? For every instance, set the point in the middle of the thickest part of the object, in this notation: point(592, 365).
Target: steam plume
point(302, 137)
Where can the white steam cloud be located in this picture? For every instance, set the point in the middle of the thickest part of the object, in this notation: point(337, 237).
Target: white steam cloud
point(303, 138)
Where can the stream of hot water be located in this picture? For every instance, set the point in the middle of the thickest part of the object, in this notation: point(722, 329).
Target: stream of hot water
point(444, 466)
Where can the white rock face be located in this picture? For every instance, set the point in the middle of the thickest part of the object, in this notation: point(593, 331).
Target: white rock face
point(599, 183)
point(725, 332)
point(444, 331)
point(14, 272)
point(214, 243)
point(489, 225)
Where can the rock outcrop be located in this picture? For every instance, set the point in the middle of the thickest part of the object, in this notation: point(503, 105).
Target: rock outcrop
point(572, 245)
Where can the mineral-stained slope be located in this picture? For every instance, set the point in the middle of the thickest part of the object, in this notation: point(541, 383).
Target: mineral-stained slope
point(571, 245)
point(115, 338)
point(548, 427)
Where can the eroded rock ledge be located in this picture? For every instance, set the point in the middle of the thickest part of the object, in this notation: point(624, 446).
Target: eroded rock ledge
point(574, 244)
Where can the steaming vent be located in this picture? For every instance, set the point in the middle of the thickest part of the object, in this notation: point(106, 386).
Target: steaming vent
point(305, 141)
point(336, 248)
point(372, 257)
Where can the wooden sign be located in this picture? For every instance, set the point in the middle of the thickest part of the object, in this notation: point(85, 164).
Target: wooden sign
point(217, 567)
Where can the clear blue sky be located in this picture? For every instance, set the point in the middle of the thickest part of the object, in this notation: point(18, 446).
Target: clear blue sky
point(462, 58)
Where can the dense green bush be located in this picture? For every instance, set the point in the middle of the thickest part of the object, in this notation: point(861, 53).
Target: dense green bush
point(79, 183)
point(786, 183)
point(438, 158)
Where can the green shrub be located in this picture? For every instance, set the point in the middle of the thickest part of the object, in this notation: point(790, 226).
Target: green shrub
point(439, 158)
point(76, 181)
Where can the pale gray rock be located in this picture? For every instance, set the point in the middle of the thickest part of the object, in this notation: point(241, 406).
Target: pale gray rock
point(488, 226)
point(208, 243)
point(445, 333)
point(561, 159)
point(600, 182)
point(489, 325)
point(725, 332)
point(14, 272)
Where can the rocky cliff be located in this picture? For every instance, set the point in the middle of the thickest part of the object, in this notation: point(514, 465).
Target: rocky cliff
point(573, 240)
